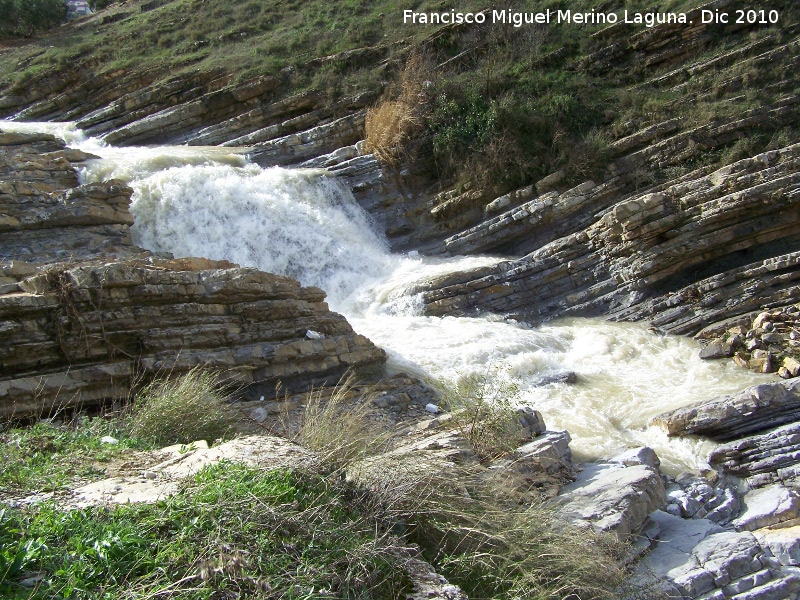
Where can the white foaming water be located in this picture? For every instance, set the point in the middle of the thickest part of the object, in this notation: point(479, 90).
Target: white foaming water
point(626, 374)
point(67, 131)
point(298, 223)
point(210, 202)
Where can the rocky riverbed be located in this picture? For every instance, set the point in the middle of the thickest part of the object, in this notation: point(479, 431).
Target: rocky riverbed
point(703, 249)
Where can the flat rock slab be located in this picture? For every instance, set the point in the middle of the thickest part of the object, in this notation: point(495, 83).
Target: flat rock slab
point(784, 544)
point(768, 506)
point(728, 417)
point(613, 497)
point(164, 479)
point(696, 559)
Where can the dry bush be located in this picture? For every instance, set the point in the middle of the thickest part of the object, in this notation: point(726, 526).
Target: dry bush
point(475, 531)
point(392, 124)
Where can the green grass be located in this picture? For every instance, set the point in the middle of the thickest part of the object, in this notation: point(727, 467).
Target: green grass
point(231, 532)
point(49, 457)
point(509, 112)
point(344, 529)
point(188, 408)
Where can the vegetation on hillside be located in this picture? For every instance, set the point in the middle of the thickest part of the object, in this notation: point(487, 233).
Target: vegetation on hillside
point(500, 108)
point(26, 17)
point(344, 529)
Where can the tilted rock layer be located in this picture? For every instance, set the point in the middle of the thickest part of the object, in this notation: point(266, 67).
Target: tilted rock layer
point(84, 314)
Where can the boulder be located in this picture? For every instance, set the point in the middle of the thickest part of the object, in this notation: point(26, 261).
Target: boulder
point(542, 465)
point(717, 349)
point(613, 498)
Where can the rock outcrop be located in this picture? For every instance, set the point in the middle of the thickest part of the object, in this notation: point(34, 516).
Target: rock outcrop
point(81, 334)
point(732, 416)
point(84, 313)
point(754, 496)
point(644, 244)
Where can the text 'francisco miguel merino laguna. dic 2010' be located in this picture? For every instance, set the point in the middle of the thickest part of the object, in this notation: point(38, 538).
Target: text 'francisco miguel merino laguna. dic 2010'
point(550, 16)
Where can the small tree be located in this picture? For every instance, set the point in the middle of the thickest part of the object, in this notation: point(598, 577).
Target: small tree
point(26, 17)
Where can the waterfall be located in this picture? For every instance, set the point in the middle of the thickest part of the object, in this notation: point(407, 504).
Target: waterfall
point(211, 202)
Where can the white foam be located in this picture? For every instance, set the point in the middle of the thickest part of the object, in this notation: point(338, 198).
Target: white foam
point(209, 202)
point(66, 130)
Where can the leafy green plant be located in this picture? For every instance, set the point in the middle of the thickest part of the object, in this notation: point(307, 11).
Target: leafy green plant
point(181, 410)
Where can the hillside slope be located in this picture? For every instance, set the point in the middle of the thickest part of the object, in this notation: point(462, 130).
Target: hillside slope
point(623, 169)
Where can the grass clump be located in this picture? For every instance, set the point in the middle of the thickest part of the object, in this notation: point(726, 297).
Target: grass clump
point(474, 531)
point(496, 549)
point(338, 430)
point(191, 407)
point(483, 411)
point(391, 125)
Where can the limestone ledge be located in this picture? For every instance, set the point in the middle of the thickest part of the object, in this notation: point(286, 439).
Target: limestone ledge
point(84, 333)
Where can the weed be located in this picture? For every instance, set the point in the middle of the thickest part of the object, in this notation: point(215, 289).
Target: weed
point(190, 407)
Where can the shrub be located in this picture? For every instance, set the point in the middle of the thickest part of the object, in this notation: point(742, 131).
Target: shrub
point(391, 125)
point(191, 407)
point(483, 411)
point(25, 17)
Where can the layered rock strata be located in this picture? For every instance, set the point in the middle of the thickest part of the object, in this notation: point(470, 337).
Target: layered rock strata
point(738, 537)
point(754, 409)
point(85, 314)
point(83, 334)
point(647, 244)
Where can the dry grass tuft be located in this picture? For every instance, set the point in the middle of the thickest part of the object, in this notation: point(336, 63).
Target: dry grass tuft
point(392, 124)
point(339, 430)
point(191, 407)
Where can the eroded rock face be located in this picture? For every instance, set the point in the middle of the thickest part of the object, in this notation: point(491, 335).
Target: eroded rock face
point(79, 334)
point(83, 311)
point(640, 244)
point(731, 416)
point(762, 457)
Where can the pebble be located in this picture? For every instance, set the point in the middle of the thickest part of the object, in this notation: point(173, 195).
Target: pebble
point(259, 415)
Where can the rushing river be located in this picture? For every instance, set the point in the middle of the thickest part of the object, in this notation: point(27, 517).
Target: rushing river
point(195, 201)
